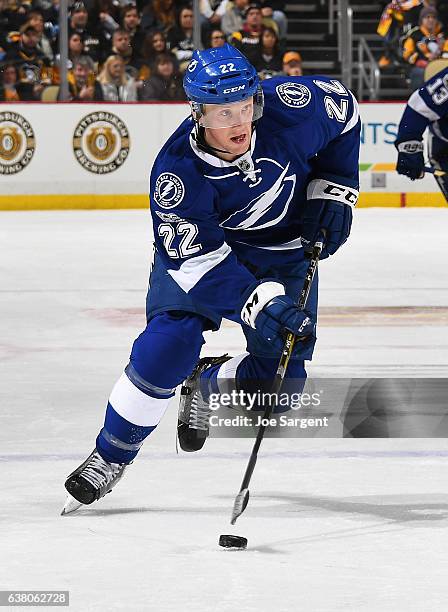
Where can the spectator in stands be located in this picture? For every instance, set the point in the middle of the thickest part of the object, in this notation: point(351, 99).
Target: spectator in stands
point(411, 10)
point(292, 63)
point(212, 12)
point(217, 39)
point(116, 85)
point(121, 45)
point(180, 38)
point(268, 57)
point(165, 83)
point(396, 21)
point(275, 9)
point(4, 23)
point(159, 15)
point(95, 43)
point(247, 40)
point(423, 45)
point(233, 19)
point(75, 51)
point(14, 15)
point(75, 47)
point(82, 84)
point(154, 45)
point(105, 17)
point(130, 22)
point(9, 79)
point(36, 19)
point(32, 65)
point(50, 12)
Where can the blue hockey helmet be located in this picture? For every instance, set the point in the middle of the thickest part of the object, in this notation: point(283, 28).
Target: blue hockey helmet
point(221, 76)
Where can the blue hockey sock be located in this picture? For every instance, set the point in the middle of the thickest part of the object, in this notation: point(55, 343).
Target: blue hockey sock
point(119, 440)
point(162, 356)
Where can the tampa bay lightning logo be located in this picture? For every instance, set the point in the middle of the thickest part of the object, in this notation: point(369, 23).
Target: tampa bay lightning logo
point(192, 65)
point(169, 190)
point(294, 95)
point(268, 208)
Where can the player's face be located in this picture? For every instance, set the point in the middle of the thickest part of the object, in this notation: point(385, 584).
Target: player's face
point(229, 126)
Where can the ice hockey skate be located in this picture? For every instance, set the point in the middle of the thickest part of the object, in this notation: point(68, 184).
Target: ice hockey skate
point(194, 411)
point(91, 481)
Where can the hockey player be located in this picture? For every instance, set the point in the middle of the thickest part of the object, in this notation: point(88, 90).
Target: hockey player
point(427, 107)
point(238, 193)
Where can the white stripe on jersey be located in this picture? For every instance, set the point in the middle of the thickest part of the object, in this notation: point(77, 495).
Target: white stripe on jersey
point(417, 103)
point(192, 270)
point(135, 406)
point(284, 246)
point(354, 119)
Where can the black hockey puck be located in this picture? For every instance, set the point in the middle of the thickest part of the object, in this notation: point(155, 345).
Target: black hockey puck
point(233, 541)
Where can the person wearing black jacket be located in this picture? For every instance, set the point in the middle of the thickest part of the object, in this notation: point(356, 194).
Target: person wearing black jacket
point(275, 9)
point(165, 84)
point(180, 37)
point(30, 62)
point(268, 57)
point(95, 44)
point(130, 22)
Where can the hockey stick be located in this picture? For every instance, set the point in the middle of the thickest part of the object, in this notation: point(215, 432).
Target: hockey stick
point(434, 171)
point(242, 498)
point(439, 176)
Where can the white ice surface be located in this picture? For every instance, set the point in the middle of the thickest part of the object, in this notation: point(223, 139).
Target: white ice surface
point(358, 525)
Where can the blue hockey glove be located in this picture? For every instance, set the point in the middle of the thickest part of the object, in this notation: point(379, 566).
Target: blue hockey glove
point(410, 159)
point(328, 217)
point(272, 314)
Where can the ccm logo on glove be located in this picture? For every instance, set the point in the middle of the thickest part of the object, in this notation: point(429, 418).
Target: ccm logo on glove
point(260, 296)
point(272, 313)
point(326, 190)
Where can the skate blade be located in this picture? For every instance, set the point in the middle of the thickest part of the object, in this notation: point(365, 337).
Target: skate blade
point(71, 504)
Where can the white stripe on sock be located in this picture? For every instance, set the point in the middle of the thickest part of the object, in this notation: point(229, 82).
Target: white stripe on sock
point(227, 371)
point(134, 406)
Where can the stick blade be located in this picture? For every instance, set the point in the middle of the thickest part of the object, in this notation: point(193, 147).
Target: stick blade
point(239, 505)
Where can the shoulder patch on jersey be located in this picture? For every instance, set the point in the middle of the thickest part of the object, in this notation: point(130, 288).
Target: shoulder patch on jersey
point(294, 95)
point(169, 190)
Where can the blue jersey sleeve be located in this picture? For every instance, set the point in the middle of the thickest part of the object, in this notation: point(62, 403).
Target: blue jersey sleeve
point(320, 117)
point(425, 106)
point(337, 162)
point(190, 241)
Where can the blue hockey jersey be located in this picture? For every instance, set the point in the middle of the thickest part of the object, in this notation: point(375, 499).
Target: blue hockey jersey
point(426, 107)
point(211, 215)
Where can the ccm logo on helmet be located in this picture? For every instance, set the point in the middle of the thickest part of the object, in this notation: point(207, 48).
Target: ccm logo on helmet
point(233, 89)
